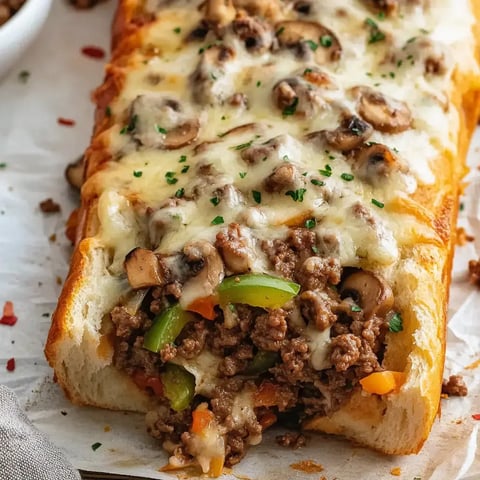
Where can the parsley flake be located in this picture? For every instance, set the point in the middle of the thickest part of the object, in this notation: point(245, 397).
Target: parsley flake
point(307, 71)
point(395, 324)
point(242, 174)
point(131, 125)
point(355, 308)
point(257, 196)
point(290, 109)
point(317, 182)
point(215, 201)
point(377, 203)
point(297, 195)
point(137, 173)
point(23, 76)
point(108, 111)
point(313, 46)
point(177, 30)
point(183, 158)
point(243, 146)
point(327, 171)
point(376, 35)
point(96, 446)
point(3, 165)
point(160, 129)
point(259, 83)
point(218, 220)
point(348, 177)
point(185, 169)
point(170, 178)
point(310, 223)
point(280, 31)
point(326, 41)
point(180, 193)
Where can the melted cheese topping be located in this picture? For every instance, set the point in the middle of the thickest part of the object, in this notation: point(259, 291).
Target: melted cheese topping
point(170, 68)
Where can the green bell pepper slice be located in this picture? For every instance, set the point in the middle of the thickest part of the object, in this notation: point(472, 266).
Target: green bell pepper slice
point(257, 290)
point(166, 328)
point(261, 362)
point(178, 386)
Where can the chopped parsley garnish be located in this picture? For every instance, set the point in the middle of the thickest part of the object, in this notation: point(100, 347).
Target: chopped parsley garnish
point(461, 206)
point(307, 71)
point(381, 15)
point(280, 31)
point(326, 41)
point(213, 76)
point(317, 182)
point(315, 249)
point(257, 196)
point(3, 165)
point(297, 195)
point(177, 30)
point(411, 40)
point(242, 174)
point(23, 76)
point(131, 125)
point(137, 173)
point(218, 220)
point(327, 171)
point(215, 201)
point(395, 324)
point(180, 193)
point(285, 158)
point(185, 169)
point(310, 223)
point(160, 129)
point(96, 446)
point(348, 177)
point(376, 35)
point(290, 109)
point(377, 203)
point(355, 308)
point(313, 46)
point(259, 83)
point(183, 158)
point(170, 178)
point(108, 111)
point(243, 146)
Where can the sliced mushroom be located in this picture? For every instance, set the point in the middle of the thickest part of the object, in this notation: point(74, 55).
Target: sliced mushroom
point(350, 134)
point(370, 291)
point(144, 269)
point(374, 160)
point(257, 35)
point(208, 269)
point(321, 41)
point(387, 6)
point(386, 114)
point(159, 122)
point(294, 96)
point(270, 9)
point(235, 244)
point(284, 177)
point(208, 85)
point(219, 13)
point(74, 173)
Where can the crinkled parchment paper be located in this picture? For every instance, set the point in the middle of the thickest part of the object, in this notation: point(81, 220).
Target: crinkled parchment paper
point(36, 149)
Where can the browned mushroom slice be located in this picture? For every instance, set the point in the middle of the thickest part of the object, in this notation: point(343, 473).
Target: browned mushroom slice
point(74, 173)
point(255, 154)
point(182, 135)
point(387, 6)
point(373, 160)
point(294, 96)
point(386, 114)
point(257, 35)
point(144, 269)
point(219, 13)
point(350, 134)
point(204, 259)
point(236, 247)
point(206, 87)
point(322, 42)
point(270, 9)
point(159, 122)
point(370, 291)
point(284, 177)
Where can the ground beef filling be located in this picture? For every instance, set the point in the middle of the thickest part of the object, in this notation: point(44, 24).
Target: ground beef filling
point(282, 335)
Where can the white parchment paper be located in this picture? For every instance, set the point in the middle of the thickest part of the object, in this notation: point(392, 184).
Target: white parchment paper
point(35, 150)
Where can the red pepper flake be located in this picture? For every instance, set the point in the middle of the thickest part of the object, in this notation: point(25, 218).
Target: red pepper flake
point(476, 416)
point(11, 364)
point(8, 317)
point(93, 52)
point(66, 122)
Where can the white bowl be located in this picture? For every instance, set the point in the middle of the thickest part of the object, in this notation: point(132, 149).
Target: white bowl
point(20, 31)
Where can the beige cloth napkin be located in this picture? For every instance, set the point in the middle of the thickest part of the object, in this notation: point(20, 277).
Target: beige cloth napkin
point(25, 453)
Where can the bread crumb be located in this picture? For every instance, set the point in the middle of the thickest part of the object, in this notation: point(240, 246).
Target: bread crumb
point(53, 237)
point(107, 428)
point(463, 237)
point(307, 466)
point(59, 280)
point(49, 206)
point(396, 472)
point(474, 271)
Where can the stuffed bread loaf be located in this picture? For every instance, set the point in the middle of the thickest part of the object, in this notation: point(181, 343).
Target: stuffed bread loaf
point(267, 222)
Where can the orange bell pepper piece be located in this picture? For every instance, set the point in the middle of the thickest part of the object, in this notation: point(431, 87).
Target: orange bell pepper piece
point(382, 383)
point(204, 306)
point(201, 419)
